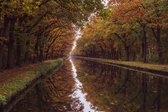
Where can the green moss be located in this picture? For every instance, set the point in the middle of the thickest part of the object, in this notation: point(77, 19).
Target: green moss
point(14, 84)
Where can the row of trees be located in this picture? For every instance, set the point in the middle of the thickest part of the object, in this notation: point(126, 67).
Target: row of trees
point(128, 30)
point(34, 30)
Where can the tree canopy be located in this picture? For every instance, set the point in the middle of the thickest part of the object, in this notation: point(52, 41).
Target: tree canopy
point(34, 29)
point(128, 30)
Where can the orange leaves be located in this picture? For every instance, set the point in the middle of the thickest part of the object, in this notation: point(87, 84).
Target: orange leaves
point(130, 11)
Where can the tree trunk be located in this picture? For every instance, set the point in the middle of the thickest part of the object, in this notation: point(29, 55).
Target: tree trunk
point(18, 51)
point(127, 53)
point(159, 48)
point(144, 44)
point(1, 55)
point(158, 42)
point(41, 55)
point(18, 43)
point(4, 35)
point(26, 55)
point(11, 43)
point(36, 49)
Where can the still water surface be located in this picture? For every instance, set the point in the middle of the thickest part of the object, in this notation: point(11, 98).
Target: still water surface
point(85, 86)
point(101, 87)
point(79, 96)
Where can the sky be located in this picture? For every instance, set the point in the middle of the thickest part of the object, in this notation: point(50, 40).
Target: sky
point(78, 31)
point(105, 2)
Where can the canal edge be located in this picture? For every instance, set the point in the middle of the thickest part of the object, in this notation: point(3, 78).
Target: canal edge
point(14, 99)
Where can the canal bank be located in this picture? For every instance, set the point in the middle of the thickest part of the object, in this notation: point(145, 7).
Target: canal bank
point(154, 69)
point(50, 95)
point(16, 83)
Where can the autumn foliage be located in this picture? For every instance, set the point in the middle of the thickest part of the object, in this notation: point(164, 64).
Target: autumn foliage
point(36, 30)
point(128, 30)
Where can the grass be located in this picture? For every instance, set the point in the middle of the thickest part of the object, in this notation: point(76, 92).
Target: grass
point(158, 67)
point(17, 79)
point(140, 64)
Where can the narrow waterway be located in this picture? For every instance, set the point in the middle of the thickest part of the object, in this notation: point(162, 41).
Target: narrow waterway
point(113, 89)
point(85, 86)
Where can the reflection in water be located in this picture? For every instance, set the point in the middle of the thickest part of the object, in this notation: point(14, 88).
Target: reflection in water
point(51, 95)
point(114, 89)
point(109, 88)
point(79, 96)
point(80, 102)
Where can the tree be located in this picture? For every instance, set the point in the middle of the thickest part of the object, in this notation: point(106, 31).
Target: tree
point(29, 23)
point(136, 27)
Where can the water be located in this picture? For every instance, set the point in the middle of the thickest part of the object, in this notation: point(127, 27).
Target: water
point(80, 103)
point(113, 89)
point(85, 86)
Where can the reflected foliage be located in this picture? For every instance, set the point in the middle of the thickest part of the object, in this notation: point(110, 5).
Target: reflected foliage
point(49, 96)
point(119, 90)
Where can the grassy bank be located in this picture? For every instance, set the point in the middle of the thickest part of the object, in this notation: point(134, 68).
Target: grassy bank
point(15, 80)
point(151, 68)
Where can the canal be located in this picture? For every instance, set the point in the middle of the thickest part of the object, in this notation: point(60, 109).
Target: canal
point(85, 86)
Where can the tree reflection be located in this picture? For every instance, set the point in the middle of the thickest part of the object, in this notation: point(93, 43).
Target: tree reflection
point(123, 90)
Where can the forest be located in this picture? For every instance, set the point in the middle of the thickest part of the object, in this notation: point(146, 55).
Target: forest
point(35, 30)
point(83, 55)
point(134, 30)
